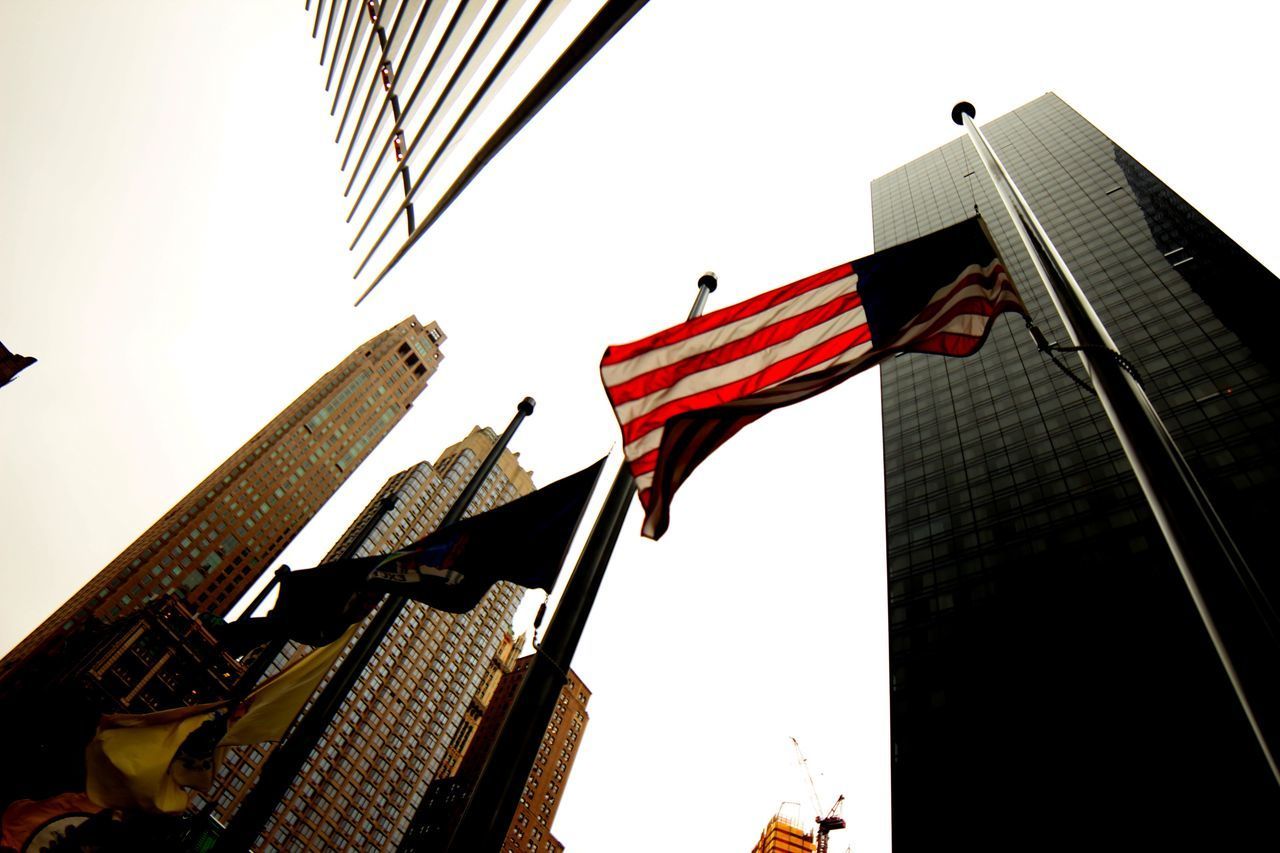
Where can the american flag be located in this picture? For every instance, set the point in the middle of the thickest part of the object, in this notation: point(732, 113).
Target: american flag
point(681, 393)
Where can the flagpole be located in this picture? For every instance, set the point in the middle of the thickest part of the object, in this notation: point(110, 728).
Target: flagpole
point(1206, 556)
point(286, 761)
point(266, 590)
point(611, 17)
point(271, 648)
point(264, 658)
point(491, 803)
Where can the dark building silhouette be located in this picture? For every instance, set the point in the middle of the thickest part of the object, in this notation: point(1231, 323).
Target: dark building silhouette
point(1052, 684)
point(164, 655)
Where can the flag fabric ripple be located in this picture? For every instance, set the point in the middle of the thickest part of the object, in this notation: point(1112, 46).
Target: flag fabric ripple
point(681, 393)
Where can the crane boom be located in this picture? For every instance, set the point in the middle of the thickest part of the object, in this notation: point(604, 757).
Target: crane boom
point(804, 765)
point(834, 819)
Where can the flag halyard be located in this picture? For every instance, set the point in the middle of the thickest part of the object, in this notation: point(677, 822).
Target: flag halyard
point(681, 393)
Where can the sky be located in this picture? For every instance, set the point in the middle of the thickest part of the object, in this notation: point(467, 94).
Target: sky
point(174, 253)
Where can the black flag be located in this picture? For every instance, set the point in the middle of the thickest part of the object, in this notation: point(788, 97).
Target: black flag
point(523, 542)
point(11, 364)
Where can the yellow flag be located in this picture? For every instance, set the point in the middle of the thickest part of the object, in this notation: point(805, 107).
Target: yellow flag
point(128, 761)
point(268, 711)
point(148, 761)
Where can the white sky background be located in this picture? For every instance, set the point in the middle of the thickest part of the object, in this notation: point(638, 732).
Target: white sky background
point(174, 253)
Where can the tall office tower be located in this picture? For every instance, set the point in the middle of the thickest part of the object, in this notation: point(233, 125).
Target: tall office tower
point(783, 835)
point(360, 786)
point(503, 661)
point(217, 540)
point(531, 824)
point(1052, 684)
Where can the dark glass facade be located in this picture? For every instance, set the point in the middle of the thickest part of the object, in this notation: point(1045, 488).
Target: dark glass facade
point(1052, 684)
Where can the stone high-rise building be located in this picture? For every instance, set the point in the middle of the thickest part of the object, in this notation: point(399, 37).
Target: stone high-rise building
point(1052, 684)
point(414, 707)
point(531, 824)
point(215, 542)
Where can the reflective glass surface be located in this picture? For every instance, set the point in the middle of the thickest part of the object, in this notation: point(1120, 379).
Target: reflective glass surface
point(1052, 684)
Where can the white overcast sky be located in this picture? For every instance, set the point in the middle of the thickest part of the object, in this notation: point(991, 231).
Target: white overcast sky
point(172, 250)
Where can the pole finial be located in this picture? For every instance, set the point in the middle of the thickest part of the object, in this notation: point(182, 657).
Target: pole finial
point(526, 406)
point(962, 108)
point(708, 281)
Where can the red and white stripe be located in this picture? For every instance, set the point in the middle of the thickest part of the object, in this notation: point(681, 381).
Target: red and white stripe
point(682, 392)
point(958, 317)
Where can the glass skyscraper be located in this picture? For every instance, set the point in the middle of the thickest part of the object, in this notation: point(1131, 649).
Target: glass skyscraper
point(1052, 684)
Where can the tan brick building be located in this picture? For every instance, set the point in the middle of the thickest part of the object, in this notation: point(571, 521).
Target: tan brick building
point(414, 707)
point(531, 825)
point(215, 542)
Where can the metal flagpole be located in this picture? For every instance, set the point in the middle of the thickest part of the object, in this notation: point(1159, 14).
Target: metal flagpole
point(264, 658)
point(491, 803)
point(284, 764)
point(374, 77)
point(328, 30)
point(375, 20)
point(395, 112)
point(1207, 558)
point(315, 28)
point(460, 73)
point(458, 21)
point(267, 651)
point(528, 28)
point(337, 44)
point(266, 590)
point(611, 17)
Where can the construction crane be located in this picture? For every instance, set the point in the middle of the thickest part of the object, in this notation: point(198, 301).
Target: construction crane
point(833, 820)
